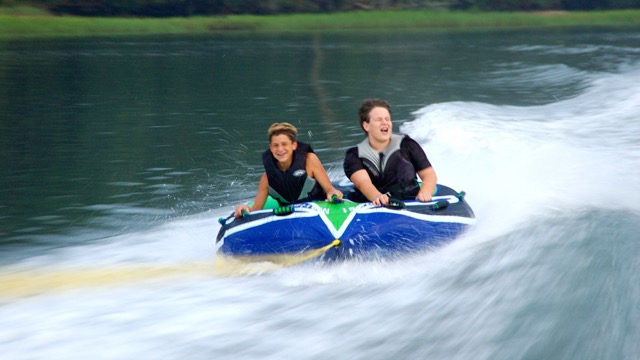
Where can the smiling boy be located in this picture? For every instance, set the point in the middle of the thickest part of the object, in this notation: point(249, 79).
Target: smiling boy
point(293, 172)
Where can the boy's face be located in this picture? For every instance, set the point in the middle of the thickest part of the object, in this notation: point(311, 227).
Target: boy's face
point(282, 148)
point(379, 126)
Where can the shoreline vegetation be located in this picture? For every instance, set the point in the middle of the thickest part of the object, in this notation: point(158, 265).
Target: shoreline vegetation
point(16, 25)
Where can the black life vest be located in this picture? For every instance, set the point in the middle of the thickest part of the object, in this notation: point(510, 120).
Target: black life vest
point(389, 171)
point(293, 185)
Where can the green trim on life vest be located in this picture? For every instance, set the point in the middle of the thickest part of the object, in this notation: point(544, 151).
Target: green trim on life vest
point(270, 204)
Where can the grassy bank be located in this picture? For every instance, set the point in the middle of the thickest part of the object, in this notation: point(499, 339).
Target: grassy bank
point(23, 26)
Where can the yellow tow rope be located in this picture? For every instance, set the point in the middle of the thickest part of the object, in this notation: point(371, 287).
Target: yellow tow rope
point(21, 283)
point(34, 282)
point(243, 265)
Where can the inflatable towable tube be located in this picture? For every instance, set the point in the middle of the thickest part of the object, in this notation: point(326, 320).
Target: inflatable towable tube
point(344, 230)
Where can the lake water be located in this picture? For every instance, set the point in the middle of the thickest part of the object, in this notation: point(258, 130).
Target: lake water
point(117, 157)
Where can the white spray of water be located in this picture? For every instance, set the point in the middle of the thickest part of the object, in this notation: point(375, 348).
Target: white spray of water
point(520, 162)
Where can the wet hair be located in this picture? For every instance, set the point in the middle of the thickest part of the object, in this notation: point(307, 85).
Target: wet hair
point(283, 128)
point(367, 106)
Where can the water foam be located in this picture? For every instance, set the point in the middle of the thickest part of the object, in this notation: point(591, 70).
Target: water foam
point(518, 162)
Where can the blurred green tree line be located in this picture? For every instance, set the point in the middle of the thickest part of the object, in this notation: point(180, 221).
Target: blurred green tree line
point(165, 8)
